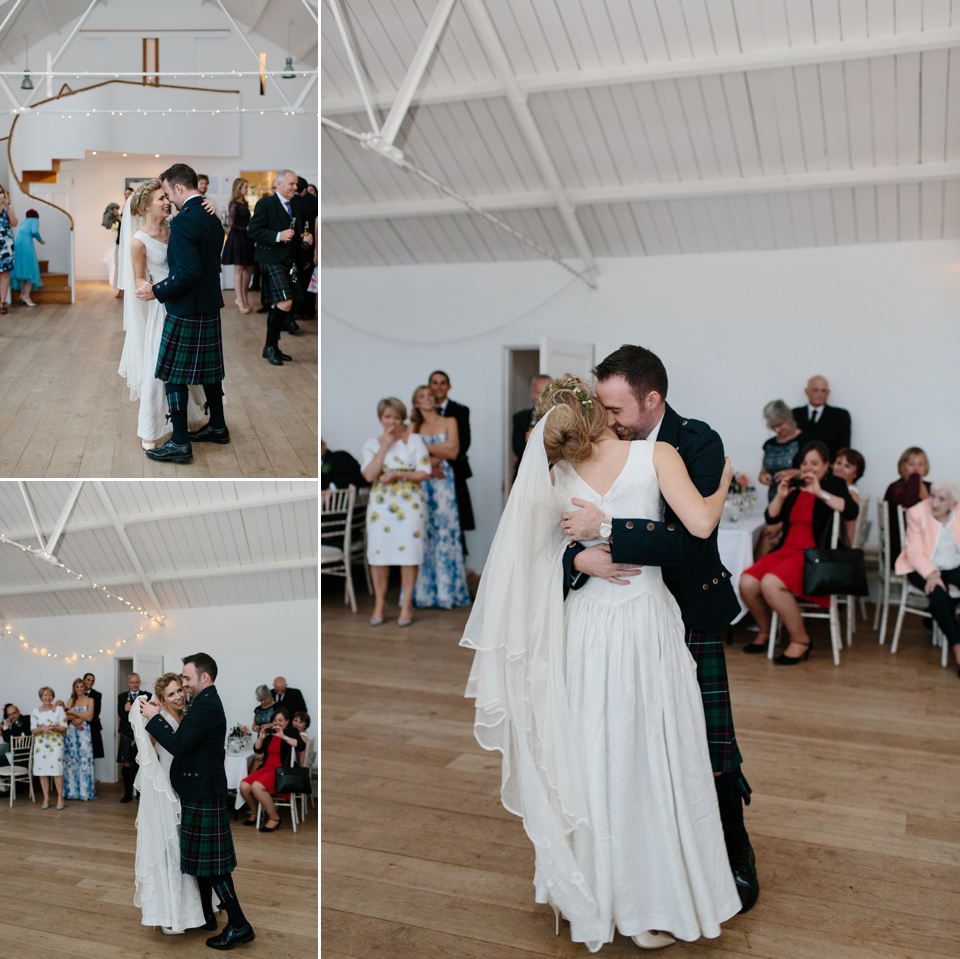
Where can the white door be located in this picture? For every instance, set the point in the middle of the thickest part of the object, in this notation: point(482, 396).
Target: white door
point(566, 356)
point(150, 669)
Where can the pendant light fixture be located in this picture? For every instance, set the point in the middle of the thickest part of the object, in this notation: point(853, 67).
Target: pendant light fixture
point(288, 71)
point(26, 83)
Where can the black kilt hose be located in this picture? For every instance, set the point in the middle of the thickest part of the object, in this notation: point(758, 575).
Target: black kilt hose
point(206, 843)
point(191, 349)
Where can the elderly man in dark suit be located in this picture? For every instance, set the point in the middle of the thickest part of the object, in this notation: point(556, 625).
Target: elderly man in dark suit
point(829, 424)
point(198, 778)
point(276, 228)
point(127, 746)
point(191, 350)
point(632, 387)
point(291, 699)
point(440, 387)
point(525, 420)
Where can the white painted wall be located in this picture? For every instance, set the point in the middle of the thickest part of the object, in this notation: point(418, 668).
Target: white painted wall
point(734, 330)
point(251, 644)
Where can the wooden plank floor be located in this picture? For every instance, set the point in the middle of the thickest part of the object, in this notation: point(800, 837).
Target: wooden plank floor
point(65, 412)
point(855, 818)
point(73, 872)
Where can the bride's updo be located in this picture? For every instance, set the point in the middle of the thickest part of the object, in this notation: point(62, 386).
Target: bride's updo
point(576, 422)
point(143, 195)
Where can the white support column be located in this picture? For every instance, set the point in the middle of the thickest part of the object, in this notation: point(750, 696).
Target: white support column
point(531, 132)
point(415, 71)
point(354, 65)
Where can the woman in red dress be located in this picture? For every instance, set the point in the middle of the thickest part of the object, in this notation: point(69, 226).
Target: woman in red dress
point(775, 582)
point(275, 742)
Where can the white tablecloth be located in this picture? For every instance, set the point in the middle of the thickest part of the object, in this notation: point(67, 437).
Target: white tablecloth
point(237, 768)
point(736, 540)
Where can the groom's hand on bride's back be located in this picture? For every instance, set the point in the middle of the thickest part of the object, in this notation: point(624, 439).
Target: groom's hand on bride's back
point(596, 561)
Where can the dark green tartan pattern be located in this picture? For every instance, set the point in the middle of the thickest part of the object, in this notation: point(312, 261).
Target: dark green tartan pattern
point(206, 843)
point(191, 349)
point(707, 651)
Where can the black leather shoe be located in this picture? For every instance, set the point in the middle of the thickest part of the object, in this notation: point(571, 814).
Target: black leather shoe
point(283, 356)
point(743, 863)
point(172, 452)
point(231, 937)
point(210, 922)
point(272, 354)
point(126, 797)
point(292, 325)
point(264, 309)
point(207, 434)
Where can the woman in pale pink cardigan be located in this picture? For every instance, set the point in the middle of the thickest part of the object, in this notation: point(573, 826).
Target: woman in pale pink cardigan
point(931, 555)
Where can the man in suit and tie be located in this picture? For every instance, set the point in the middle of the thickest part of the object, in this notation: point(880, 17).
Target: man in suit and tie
point(191, 350)
point(127, 746)
point(198, 778)
point(440, 386)
point(632, 387)
point(525, 420)
point(276, 228)
point(96, 726)
point(829, 424)
point(291, 699)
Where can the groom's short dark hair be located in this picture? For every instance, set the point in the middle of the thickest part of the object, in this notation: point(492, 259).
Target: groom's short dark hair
point(182, 174)
point(202, 662)
point(640, 367)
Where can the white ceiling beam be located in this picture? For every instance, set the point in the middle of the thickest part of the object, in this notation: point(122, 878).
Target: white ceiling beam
point(64, 516)
point(809, 55)
point(179, 512)
point(517, 100)
point(634, 193)
point(31, 512)
point(128, 547)
point(312, 12)
point(166, 576)
point(365, 101)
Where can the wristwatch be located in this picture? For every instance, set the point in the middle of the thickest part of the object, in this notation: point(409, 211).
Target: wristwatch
point(825, 497)
point(606, 528)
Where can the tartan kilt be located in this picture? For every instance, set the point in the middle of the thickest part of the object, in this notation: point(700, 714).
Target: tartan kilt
point(206, 843)
point(275, 285)
point(191, 350)
point(707, 651)
point(126, 749)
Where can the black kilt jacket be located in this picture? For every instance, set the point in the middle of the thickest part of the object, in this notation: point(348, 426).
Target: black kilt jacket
point(692, 570)
point(197, 747)
point(193, 253)
point(270, 218)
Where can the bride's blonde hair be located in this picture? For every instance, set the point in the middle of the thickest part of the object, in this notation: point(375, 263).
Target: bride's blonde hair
point(576, 422)
point(165, 680)
point(143, 195)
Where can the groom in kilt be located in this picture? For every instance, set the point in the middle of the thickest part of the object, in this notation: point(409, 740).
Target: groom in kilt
point(198, 778)
point(191, 350)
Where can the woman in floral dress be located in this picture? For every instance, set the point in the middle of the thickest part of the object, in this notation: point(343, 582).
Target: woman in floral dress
point(48, 723)
point(78, 746)
point(443, 576)
point(8, 223)
point(396, 464)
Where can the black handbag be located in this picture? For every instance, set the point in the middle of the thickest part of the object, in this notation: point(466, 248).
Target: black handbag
point(292, 779)
point(832, 572)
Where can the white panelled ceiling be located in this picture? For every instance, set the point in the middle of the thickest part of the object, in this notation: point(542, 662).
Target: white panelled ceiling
point(644, 128)
point(159, 545)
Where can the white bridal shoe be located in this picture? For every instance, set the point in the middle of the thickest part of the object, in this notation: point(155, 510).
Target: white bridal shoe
point(171, 932)
point(653, 940)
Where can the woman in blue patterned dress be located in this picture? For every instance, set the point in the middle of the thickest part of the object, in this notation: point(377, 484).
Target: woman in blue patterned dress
point(443, 576)
point(8, 222)
point(78, 746)
point(396, 463)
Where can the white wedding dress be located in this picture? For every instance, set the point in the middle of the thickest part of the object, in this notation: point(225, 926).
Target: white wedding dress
point(143, 323)
point(594, 704)
point(165, 895)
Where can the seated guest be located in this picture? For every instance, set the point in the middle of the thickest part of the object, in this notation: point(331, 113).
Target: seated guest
point(14, 724)
point(301, 723)
point(781, 457)
point(263, 714)
point(829, 424)
point(806, 511)
point(291, 699)
point(849, 466)
point(442, 581)
point(274, 742)
point(338, 469)
point(907, 491)
point(525, 420)
point(931, 555)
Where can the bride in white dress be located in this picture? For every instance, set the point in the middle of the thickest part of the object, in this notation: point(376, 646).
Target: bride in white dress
point(166, 897)
point(594, 702)
point(144, 233)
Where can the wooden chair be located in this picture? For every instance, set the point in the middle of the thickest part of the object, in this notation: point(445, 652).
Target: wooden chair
point(290, 803)
point(861, 530)
point(920, 606)
point(358, 535)
point(21, 765)
point(813, 611)
point(885, 571)
point(336, 520)
point(309, 761)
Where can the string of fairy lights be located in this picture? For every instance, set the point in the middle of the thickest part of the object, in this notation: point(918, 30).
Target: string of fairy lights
point(70, 114)
point(109, 649)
